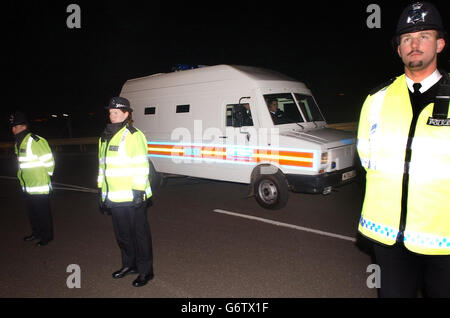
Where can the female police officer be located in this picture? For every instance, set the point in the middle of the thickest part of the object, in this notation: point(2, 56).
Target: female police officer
point(125, 187)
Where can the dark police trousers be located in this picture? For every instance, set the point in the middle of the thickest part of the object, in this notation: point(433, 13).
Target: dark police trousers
point(403, 273)
point(134, 238)
point(39, 214)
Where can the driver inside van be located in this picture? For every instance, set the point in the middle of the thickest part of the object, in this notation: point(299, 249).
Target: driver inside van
point(278, 115)
point(248, 120)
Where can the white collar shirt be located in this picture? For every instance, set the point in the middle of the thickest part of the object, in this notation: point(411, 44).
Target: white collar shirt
point(432, 79)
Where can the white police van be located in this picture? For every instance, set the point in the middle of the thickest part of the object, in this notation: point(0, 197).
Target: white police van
point(214, 122)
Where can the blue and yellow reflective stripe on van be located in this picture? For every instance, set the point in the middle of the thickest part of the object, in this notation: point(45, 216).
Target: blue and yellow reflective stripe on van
point(295, 158)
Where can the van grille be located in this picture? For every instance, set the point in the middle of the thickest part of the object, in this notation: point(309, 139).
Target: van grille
point(342, 156)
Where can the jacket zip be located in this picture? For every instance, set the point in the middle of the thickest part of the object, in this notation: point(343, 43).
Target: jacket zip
point(21, 170)
point(405, 183)
point(412, 130)
point(104, 171)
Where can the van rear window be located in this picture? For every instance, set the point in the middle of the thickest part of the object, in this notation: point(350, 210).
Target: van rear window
point(183, 108)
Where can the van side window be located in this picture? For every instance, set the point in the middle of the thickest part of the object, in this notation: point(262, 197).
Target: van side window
point(183, 108)
point(150, 110)
point(245, 115)
point(229, 115)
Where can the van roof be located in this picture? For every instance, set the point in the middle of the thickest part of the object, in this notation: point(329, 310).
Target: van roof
point(204, 74)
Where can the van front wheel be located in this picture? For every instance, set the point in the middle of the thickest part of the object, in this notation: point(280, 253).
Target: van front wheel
point(271, 190)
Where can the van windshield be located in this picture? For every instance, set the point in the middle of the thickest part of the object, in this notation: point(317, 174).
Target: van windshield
point(309, 107)
point(283, 109)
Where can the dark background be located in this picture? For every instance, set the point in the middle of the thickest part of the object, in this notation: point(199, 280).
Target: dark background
point(51, 69)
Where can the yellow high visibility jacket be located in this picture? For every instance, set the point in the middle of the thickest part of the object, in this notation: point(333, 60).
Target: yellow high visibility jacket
point(383, 132)
point(123, 166)
point(36, 164)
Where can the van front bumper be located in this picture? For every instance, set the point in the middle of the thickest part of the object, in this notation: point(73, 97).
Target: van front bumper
point(320, 182)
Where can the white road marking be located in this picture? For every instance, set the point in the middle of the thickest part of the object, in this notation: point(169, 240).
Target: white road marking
point(75, 189)
point(8, 178)
point(72, 187)
point(61, 186)
point(291, 226)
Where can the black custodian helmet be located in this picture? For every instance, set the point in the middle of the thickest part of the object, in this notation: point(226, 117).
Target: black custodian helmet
point(119, 103)
point(420, 16)
point(17, 118)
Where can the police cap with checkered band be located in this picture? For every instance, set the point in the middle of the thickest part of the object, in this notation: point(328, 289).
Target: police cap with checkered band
point(119, 103)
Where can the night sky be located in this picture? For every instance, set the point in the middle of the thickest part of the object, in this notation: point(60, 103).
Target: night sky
point(326, 44)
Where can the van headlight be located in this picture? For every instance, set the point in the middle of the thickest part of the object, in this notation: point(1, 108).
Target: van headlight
point(324, 158)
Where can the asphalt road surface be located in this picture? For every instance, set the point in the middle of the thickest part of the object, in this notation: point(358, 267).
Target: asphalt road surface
point(209, 241)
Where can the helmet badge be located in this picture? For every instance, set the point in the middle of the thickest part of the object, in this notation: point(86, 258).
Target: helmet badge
point(416, 14)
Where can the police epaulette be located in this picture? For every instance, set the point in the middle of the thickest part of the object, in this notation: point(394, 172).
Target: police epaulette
point(446, 76)
point(36, 138)
point(380, 87)
point(131, 129)
point(441, 102)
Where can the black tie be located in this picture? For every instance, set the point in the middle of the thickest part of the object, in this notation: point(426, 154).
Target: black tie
point(417, 87)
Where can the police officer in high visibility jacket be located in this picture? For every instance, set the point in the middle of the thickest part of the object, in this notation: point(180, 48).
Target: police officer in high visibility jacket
point(36, 166)
point(404, 146)
point(125, 188)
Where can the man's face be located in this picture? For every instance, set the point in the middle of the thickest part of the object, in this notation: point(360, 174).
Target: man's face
point(17, 129)
point(273, 106)
point(418, 50)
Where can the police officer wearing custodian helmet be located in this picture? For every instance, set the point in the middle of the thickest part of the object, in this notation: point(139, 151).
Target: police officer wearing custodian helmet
point(124, 186)
point(404, 146)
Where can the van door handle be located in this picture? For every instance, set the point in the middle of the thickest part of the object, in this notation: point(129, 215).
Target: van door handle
point(223, 137)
